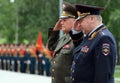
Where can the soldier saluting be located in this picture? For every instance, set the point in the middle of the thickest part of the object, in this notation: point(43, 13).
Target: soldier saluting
point(63, 47)
point(95, 57)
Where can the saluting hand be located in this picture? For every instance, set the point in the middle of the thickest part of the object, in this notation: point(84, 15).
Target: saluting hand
point(57, 26)
point(76, 26)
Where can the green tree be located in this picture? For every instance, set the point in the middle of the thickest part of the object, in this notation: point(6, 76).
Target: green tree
point(29, 17)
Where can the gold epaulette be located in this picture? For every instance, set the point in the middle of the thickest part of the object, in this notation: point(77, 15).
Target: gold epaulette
point(95, 33)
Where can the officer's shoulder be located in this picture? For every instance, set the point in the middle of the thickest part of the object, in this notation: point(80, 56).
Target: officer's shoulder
point(104, 32)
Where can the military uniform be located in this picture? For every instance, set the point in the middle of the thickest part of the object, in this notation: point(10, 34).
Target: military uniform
point(94, 59)
point(40, 66)
point(32, 65)
point(47, 66)
point(61, 63)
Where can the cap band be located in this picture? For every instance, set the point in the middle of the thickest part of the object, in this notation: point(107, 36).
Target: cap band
point(66, 15)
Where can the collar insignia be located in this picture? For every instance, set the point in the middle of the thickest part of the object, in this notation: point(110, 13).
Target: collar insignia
point(93, 35)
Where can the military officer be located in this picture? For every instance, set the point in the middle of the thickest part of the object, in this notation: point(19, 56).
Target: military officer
point(95, 57)
point(63, 47)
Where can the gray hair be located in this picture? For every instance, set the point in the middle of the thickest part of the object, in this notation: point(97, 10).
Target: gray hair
point(99, 17)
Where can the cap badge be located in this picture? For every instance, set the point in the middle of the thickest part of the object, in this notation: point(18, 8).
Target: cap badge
point(83, 14)
point(63, 6)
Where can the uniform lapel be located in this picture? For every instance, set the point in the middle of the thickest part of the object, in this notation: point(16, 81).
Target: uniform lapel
point(62, 42)
point(99, 28)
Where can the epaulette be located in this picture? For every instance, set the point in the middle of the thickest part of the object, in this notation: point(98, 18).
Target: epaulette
point(95, 33)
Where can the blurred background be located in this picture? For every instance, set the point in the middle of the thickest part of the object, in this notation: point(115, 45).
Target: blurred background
point(21, 22)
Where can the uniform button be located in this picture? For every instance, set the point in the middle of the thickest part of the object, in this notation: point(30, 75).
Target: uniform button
point(53, 70)
point(73, 71)
point(53, 78)
point(73, 62)
point(70, 77)
point(54, 62)
point(56, 54)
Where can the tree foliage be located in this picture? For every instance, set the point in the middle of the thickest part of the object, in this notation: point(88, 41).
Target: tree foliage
point(33, 16)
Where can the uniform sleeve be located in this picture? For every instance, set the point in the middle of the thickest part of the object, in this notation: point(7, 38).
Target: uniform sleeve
point(53, 37)
point(77, 38)
point(105, 56)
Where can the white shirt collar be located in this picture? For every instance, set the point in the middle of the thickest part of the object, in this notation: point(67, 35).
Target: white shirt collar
point(94, 29)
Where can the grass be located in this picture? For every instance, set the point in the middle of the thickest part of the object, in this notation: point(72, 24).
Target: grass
point(117, 74)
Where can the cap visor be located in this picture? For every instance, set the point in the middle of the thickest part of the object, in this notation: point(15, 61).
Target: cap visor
point(62, 17)
point(80, 17)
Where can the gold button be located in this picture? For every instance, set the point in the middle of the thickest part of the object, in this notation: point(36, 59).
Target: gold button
point(53, 70)
point(54, 62)
point(53, 78)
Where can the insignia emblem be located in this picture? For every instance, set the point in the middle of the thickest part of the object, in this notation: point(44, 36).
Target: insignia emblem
point(85, 49)
point(93, 35)
point(105, 49)
point(63, 6)
point(64, 13)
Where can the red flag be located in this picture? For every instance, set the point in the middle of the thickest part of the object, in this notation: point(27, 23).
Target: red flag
point(39, 43)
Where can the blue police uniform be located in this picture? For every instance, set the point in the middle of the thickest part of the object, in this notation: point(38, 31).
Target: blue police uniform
point(94, 59)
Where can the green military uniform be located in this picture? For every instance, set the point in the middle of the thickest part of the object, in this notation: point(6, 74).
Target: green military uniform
point(61, 63)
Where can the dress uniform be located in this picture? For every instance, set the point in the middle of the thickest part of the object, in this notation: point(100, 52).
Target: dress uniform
point(63, 49)
point(40, 65)
point(94, 59)
point(32, 65)
point(47, 65)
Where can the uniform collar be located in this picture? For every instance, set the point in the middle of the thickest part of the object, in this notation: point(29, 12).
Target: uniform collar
point(95, 29)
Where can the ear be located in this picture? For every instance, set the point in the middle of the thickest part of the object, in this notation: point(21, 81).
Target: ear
point(92, 19)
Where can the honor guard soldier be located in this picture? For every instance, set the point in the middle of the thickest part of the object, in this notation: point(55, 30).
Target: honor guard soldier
point(62, 47)
point(95, 57)
point(40, 65)
point(32, 61)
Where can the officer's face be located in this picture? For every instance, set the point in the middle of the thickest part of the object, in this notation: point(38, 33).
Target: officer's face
point(84, 24)
point(67, 24)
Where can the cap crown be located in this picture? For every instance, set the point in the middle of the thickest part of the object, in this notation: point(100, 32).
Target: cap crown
point(84, 10)
point(68, 11)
